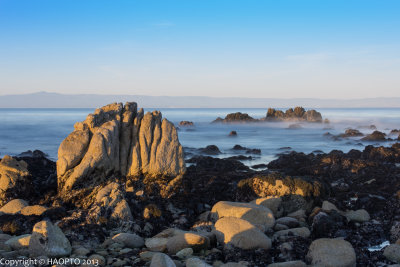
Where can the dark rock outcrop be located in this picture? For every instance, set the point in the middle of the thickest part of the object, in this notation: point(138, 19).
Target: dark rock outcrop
point(351, 133)
point(375, 136)
point(233, 133)
point(210, 150)
point(186, 123)
point(296, 114)
point(31, 176)
point(237, 117)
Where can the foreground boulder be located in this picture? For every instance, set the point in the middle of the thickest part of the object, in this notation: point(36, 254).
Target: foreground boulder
point(118, 139)
point(241, 234)
point(48, 240)
point(255, 214)
point(332, 253)
point(174, 240)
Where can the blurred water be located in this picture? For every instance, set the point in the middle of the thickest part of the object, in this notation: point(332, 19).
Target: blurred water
point(44, 129)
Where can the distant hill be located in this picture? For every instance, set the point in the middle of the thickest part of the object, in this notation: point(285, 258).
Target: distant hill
point(55, 100)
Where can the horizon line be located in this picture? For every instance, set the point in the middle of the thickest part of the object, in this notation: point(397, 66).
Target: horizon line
point(235, 97)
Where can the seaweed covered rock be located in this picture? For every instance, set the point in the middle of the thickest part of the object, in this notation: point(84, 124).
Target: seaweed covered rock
point(276, 184)
point(12, 173)
point(28, 176)
point(110, 204)
point(118, 140)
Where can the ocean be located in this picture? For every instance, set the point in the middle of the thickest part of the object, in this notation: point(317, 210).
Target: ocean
point(44, 129)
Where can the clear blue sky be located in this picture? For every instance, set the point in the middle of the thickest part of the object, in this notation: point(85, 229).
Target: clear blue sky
point(322, 48)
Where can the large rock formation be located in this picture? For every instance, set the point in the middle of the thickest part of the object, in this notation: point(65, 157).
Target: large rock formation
point(119, 140)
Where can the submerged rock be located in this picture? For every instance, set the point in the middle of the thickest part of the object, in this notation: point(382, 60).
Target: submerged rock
point(118, 139)
point(256, 151)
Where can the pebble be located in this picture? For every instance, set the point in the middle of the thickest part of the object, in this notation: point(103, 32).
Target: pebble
point(147, 255)
point(184, 253)
point(129, 240)
point(125, 250)
point(392, 253)
point(301, 231)
point(162, 260)
point(358, 216)
point(196, 262)
point(288, 221)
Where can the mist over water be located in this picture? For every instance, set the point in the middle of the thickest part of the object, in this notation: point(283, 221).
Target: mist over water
point(44, 129)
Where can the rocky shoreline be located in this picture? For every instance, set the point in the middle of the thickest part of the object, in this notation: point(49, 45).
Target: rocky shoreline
point(122, 195)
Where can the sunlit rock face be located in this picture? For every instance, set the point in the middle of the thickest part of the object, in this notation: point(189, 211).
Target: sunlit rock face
point(118, 139)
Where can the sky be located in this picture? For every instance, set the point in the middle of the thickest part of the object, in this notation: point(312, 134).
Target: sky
point(249, 48)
